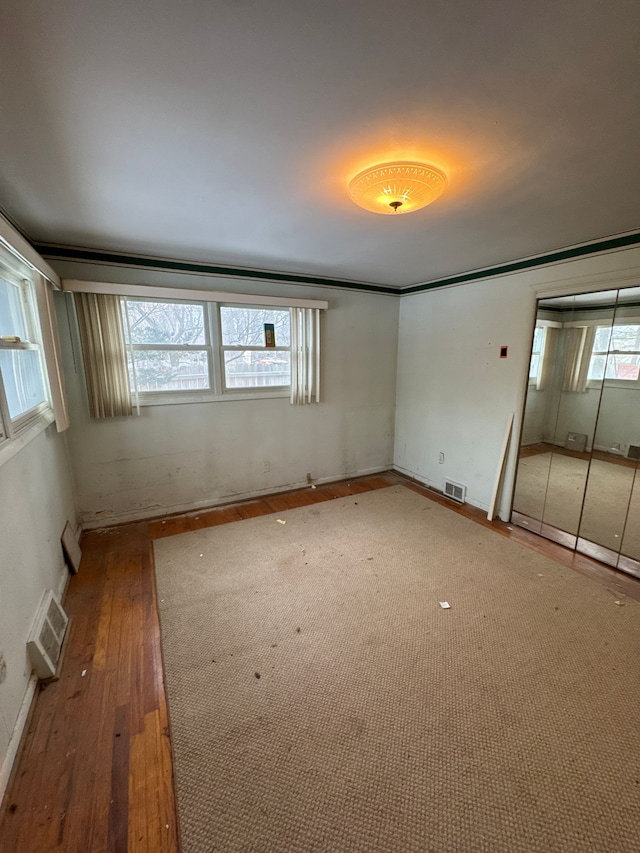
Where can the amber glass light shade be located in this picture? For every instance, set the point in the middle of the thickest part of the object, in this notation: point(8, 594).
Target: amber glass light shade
point(399, 187)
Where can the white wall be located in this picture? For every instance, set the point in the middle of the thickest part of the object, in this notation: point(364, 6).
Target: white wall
point(454, 392)
point(180, 457)
point(608, 420)
point(35, 502)
point(618, 419)
point(535, 418)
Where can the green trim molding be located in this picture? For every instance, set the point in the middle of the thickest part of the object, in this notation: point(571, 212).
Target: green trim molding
point(607, 245)
point(71, 253)
point(580, 309)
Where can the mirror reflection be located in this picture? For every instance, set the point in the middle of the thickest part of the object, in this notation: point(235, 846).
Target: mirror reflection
point(577, 481)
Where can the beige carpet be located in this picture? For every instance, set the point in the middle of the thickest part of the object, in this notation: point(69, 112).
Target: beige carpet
point(551, 487)
point(380, 721)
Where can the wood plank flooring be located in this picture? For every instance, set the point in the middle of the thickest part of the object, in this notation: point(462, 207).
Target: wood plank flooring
point(95, 769)
point(602, 455)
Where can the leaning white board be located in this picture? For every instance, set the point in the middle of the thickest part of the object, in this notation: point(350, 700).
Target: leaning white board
point(503, 454)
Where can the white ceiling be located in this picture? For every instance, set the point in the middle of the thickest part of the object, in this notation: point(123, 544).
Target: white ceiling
point(225, 131)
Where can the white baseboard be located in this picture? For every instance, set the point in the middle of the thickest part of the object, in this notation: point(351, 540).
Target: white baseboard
point(16, 736)
point(92, 521)
point(63, 583)
point(606, 449)
point(526, 442)
point(25, 707)
point(431, 484)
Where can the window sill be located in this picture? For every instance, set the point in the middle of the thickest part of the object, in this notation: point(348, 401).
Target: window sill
point(229, 396)
point(11, 446)
point(628, 384)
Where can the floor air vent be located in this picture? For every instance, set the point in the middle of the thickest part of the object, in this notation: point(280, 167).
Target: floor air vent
point(455, 491)
point(45, 640)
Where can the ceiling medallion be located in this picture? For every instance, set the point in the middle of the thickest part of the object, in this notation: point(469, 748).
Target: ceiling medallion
point(398, 187)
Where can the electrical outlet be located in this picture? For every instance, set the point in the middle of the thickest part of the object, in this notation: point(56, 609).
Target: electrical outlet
point(441, 458)
point(3, 668)
point(309, 478)
point(266, 467)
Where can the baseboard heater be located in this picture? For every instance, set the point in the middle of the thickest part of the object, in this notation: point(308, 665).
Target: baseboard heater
point(455, 491)
point(47, 635)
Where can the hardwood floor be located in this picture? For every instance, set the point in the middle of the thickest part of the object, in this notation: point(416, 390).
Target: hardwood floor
point(95, 769)
point(602, 455)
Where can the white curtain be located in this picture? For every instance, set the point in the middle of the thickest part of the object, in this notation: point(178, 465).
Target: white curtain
point(305, 355)
point(104, 354)
point(579, 347)
point(51, 347)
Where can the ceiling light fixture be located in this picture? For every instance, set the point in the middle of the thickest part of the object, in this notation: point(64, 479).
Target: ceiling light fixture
point(398, 187)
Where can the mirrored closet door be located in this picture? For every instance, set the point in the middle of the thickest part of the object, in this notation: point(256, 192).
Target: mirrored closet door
point(577, 481)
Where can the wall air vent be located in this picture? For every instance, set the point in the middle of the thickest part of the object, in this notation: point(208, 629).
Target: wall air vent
point(47, 633)
point(576, 441)
point(634, 451)
point(455, 491)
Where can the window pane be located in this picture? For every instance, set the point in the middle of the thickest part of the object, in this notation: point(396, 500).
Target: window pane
point(596, 367)
point(623, 367)
point(244, 327)
point(626, 338)
point(601, 341)
point(255, 369)
point(537, 340)
point(12, 320)
point(534, 366)
point(165, 323)
point(23, 382)
point(164, 370)
point(626, 367)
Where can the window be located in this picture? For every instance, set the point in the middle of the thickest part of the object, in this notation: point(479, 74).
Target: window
point(169, 345)
point(200, 350)
point(616, 353)
point(536, 353)
point(24, 395)
point(142, 347)
point(246, 334)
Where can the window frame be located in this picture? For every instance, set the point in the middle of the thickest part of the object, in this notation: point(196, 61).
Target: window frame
point(218, 391)
point(285, 390)
point(632, 384)
point(533, 377)
point(151, 397)
point(42, 413)
point(545, 325)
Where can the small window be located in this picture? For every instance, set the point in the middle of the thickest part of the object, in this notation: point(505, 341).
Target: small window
point(536, 353)
point(25, 395)
point(169, 345)
point(256, 347)
point(616, 353)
